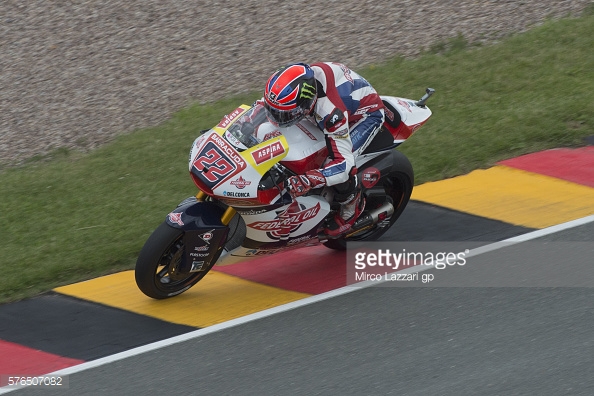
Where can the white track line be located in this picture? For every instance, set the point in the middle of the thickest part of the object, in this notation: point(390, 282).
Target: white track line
point(296, 304)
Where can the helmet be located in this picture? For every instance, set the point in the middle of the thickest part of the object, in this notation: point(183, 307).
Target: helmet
point(290, 94)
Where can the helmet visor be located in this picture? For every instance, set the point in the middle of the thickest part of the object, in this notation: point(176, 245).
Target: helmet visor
point(284, 118)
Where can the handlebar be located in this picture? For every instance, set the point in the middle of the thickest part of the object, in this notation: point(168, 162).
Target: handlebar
point(280, 177)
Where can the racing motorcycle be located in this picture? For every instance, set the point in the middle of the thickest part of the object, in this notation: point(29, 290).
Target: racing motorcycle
point(243, 209)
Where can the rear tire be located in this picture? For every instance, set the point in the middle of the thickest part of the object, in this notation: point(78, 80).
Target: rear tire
point(398, 186)
point(158, 262)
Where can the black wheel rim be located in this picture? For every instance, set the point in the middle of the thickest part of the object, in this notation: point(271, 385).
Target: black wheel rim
point(167, 275)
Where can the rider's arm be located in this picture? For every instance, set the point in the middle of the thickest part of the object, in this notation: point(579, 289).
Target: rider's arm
point(340, 153)
point(340, 147)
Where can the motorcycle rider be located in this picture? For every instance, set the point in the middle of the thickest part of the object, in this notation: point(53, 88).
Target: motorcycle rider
point(349, 112)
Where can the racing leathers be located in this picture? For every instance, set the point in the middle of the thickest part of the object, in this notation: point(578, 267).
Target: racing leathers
point(350, 113)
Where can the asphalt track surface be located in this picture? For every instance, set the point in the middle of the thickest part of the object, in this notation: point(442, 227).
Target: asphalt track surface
point(376, 340)
point(381, 340)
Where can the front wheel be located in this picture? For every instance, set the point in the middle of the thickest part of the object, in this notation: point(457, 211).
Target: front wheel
point(157, 267)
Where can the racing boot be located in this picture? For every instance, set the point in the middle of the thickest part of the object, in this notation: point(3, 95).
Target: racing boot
point(343, 221)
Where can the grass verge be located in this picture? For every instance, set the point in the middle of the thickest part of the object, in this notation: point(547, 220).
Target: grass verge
point(78, 216)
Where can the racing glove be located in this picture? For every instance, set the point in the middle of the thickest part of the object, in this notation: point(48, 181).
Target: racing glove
point(301, 184)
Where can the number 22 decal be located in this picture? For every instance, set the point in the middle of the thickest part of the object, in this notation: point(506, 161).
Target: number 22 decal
point(213, 164)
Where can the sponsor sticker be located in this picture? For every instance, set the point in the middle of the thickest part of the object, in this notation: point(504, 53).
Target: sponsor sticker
point(197, 266)
point(230, 151)
point(370, 177)
point(389, 114)
point(199, 254)
point(342, 134)
point(259, 252)
point(239, 202)
point(302, 239)
point(271, 135)
point(241, 183)
point(233, 140)
point(176, 218)
point(404, 104)
point(268, 152)
point(207, 236)
point(347, 73)
point(234, 194)
point(307, 132)
point(251, 212)
point(199, 140)
point(365, 109)
point(229, 118)
point(286, 221)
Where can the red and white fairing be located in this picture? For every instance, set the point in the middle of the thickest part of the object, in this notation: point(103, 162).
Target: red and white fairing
point(407, 119)
point(294, 225)
point(269, 226)
point(307, 146)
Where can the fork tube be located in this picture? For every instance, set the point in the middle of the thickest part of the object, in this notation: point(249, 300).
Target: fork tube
point(200, 196)
point(228, 215)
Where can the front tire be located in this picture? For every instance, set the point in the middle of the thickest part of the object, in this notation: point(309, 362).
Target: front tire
point(157, 264)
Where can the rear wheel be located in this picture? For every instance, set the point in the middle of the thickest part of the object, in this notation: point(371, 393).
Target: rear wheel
point(398, 186)
point(157, 268)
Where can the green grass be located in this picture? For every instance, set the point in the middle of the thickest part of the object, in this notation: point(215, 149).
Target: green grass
point(531, 92)
point(69, 216)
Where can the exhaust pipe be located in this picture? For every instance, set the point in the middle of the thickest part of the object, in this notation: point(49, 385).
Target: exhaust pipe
point(367, 220)
point(371, 218)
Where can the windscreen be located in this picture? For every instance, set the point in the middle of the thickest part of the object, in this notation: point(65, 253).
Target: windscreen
point(250, 126)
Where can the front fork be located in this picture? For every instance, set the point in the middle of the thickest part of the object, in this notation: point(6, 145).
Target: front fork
point(227, 215)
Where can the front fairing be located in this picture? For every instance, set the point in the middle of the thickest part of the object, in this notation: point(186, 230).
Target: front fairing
point(229, 160)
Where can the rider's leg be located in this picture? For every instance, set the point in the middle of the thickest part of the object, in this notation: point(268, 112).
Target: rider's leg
point(363, 132)
point(352, 203)
point(348, 194)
